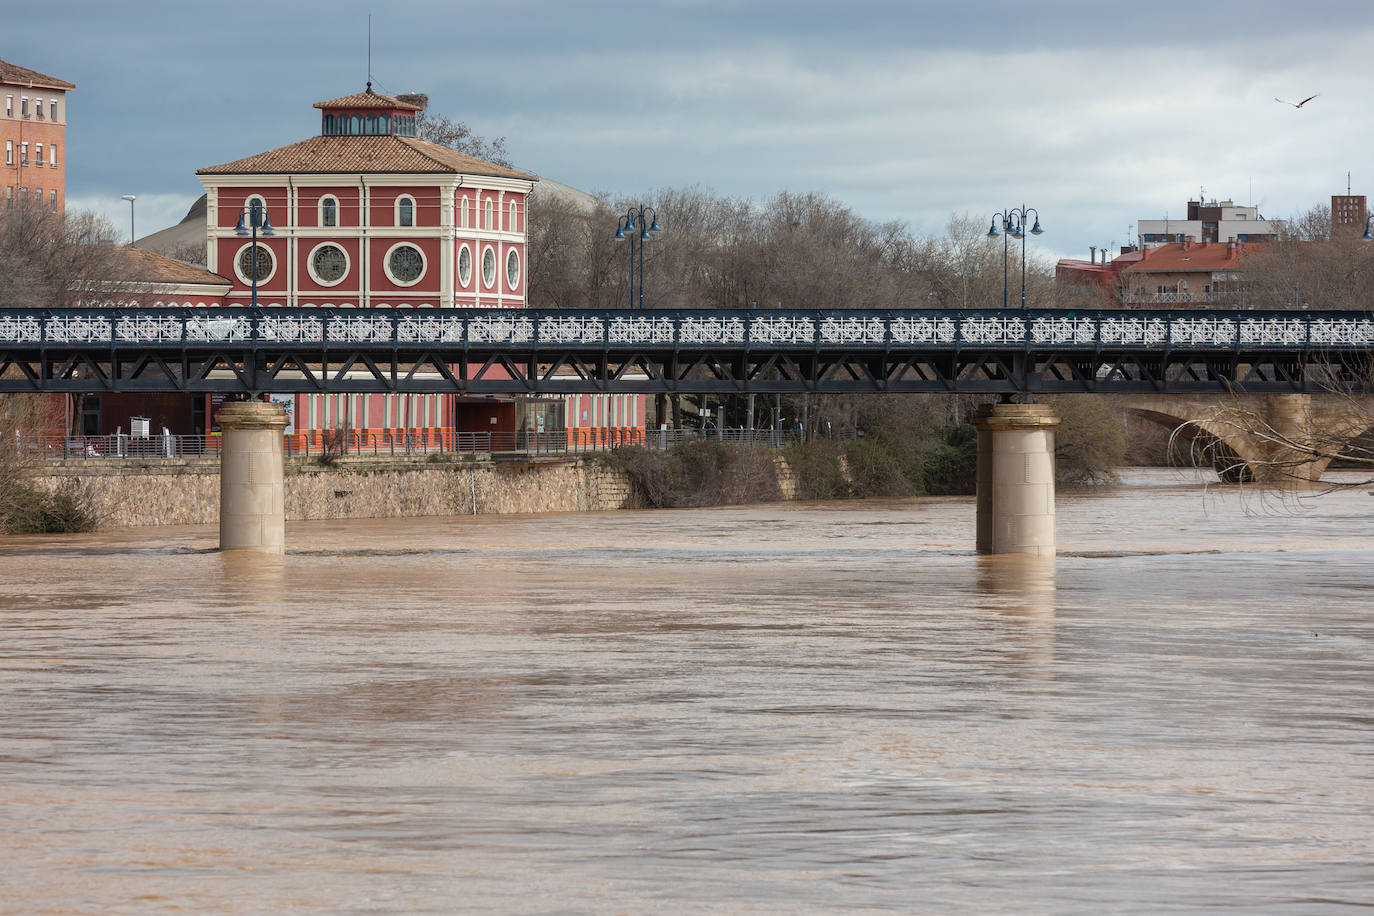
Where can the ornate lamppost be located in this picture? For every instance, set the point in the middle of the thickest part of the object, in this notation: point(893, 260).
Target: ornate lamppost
point(636, 225)
point(258, 222)
point(1014, 226)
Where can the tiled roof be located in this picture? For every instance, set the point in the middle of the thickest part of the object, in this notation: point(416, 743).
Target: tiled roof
point(23, 76)
point(343, 155)
point(135, 265)
point(1205, 256)
point(368, 100)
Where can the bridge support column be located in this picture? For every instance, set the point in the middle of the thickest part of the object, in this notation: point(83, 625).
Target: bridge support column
point(252, 494)
point(1290, 416)
point(1016, 478)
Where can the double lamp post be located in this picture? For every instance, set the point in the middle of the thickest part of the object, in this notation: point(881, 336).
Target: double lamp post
point(636, 225)
point(1013, 226)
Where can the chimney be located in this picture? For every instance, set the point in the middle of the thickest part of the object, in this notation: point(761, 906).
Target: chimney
point(1092, 253)
point(1230, 251)
point(1187, 243)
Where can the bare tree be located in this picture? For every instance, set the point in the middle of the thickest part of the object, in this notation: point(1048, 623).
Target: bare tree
point(48, 260)
point(457, 135)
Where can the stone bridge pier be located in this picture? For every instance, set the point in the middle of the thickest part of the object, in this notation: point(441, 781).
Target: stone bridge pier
point(1015, 501)
point(252, 487)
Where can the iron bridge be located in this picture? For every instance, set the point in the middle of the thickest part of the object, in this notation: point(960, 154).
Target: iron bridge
point(557, 351)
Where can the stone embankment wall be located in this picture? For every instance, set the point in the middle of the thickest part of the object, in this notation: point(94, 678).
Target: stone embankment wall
point(186, 492)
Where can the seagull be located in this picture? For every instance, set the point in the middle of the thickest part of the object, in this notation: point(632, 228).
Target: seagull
point(1296, 104)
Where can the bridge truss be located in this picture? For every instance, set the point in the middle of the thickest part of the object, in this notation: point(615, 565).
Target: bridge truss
point(534, 351)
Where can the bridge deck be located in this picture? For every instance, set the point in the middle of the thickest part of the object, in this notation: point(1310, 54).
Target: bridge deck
point(718, 351)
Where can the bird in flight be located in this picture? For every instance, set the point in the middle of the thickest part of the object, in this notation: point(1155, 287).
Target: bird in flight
point(1296, 104)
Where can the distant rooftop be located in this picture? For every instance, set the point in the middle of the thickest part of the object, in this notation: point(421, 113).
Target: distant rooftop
point(23, 76)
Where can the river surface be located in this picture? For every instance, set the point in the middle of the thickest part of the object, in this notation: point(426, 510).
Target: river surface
point(769, 709)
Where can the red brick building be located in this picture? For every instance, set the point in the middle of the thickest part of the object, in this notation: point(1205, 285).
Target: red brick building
point(367, 215)
point(33, 128)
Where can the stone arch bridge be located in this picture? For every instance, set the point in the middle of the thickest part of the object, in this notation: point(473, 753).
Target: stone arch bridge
point(1266, 437)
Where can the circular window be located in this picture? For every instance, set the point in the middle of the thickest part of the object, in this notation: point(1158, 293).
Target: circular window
point(464, 266)
point(512, 269)
point(405, 264)
point(488, 267)
point(328, 264)
point(257, 268)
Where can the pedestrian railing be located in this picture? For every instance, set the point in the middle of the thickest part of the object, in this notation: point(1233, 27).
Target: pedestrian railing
point(387, 442)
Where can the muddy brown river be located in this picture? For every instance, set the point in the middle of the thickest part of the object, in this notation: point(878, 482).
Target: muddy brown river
point(773, 709)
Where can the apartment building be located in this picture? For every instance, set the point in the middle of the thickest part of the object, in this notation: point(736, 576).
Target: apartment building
point(33, 127)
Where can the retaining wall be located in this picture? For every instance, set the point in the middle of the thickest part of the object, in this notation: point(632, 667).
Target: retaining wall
point(186, 491)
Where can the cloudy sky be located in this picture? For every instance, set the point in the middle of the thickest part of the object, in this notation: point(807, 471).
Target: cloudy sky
point(1095, 114)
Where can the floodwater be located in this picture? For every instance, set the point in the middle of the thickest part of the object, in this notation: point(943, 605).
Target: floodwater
point(771, 709)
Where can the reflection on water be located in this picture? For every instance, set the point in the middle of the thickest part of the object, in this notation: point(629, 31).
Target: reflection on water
point(778, 708)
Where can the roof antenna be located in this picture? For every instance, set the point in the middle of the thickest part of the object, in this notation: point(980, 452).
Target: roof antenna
point(369, 52)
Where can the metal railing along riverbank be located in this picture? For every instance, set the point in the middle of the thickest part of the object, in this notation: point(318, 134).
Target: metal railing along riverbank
point(378, 443)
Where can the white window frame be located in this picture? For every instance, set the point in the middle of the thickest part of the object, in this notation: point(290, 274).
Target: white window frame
point(52, 154)
point(386, 264)
point(396, 212)
point(319, 216)
point(246, 280)
point(9, 152)
point(9, 106)
point(488, 213)
point(38, 154)
point(463, 212)
point(248, 214)
point(512, 253)
point(52, 199)
point(463, 249)
point(24, 153)
point(510, 221)
point(495, 268)
point(52, 109)
point(23, 106)
point(310, 264)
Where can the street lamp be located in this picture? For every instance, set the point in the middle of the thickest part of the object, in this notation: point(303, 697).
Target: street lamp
point(257, 221)
point(636, 225)
point(1014, 226)
point(131, 198)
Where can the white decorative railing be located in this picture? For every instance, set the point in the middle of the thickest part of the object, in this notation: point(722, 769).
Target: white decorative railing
point(1063, 330)
point(782, 330)
point(994, 330)
point(853, 330)
point(573, 329)
point(711, 331)
point(1134, 331)
point(923, 330)
point(1202, 332)
point(435, 327)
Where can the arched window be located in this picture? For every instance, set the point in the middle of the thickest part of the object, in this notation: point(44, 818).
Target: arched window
point(329, 125)
point(510, 223)
point(329, 211)
point(463, 213)
point(371, 125)
point(384, 124)
point(405, 211)
point(356, 128)
point(487, 211)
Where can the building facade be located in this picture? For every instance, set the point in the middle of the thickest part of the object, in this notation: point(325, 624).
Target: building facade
point(1212, 221)
point(367, 215)
point(33, 127)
